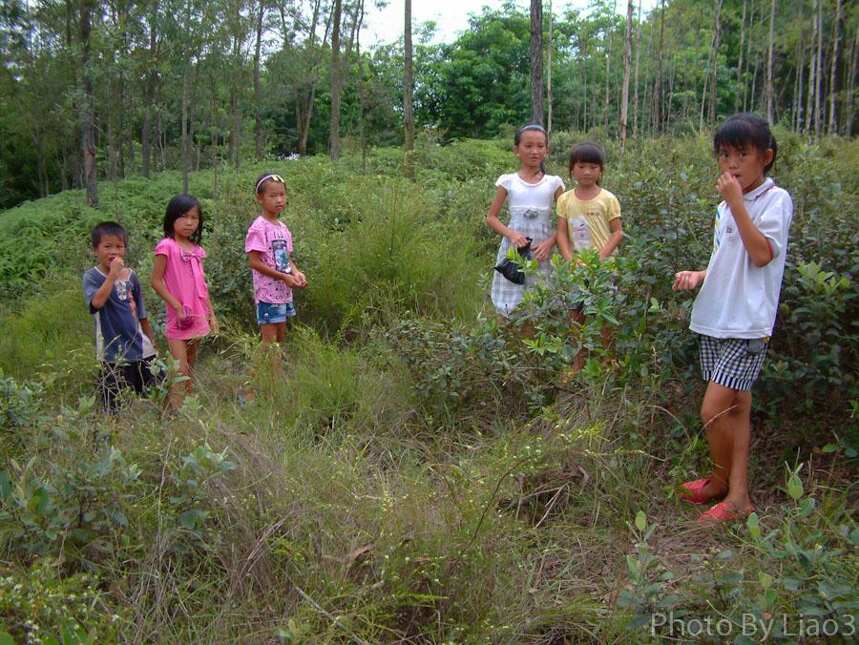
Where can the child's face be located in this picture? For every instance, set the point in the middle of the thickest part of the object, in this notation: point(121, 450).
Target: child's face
point(109, 247)
point(187, 225)
point(746, 164)
point(532, 148)
point(273, 197)
point(586, 173)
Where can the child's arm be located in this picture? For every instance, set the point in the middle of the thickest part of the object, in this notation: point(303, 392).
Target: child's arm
point(160, 287)
point(146, 326)
point(299, 276)
point(103, 293)
point(616, 226)
point(756, 243)
point(256, 263)
point(544, 249)
point(562, 233)
point(688, 279)
point(516, 238)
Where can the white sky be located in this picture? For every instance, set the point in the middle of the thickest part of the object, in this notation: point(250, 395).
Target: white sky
point(451, 16)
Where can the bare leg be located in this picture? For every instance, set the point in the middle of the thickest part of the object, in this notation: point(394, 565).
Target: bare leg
point(738, 483)
point(273, 334)
point(179, 350)
point(725, 413)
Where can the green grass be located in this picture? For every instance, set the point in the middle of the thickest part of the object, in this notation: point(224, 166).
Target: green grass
point(419, 475)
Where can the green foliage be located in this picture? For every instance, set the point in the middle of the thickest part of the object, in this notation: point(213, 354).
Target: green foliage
point(39, 605)
point(410, 467)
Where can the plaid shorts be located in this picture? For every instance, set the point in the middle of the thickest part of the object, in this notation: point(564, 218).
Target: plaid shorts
point(734, 363)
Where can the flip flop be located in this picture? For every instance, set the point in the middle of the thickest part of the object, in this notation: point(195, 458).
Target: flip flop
point(723, 512)
point(692, 491)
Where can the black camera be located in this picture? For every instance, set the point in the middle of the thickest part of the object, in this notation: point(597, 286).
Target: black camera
point(511, 270)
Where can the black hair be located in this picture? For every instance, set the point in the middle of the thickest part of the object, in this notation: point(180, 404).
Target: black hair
point(108, 228)
point(588, 152)
point(268, 176)
point(176, 208)
point(536, 127)
point(743, 130)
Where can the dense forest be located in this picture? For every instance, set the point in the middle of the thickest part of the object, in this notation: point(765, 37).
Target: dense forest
point(95, 90)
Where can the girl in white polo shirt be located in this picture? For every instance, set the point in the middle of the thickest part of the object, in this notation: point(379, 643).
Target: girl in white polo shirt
point(736, 308)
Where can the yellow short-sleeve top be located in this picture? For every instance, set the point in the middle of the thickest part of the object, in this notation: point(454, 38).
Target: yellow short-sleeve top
point(588, 220)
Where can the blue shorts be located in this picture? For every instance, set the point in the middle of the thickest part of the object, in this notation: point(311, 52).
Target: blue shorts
point(272, 314)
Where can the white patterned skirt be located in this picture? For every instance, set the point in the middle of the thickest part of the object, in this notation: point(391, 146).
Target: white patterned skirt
point(507, 295)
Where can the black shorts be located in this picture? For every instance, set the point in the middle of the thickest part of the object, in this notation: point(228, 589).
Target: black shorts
point(115, 377)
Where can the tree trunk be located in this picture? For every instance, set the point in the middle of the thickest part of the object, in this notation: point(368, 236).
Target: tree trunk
point(627, 65)
point(798, 88)
point(740, 85)
point(549, 70)
point(812, 67)
point(657, 89)
point(608, 68)
point(770, 63)
point(258, 131)
point(186, 90)
point(146, 131)
point(537, 61)
point(833, 67)
point(87, 115)
point(408, 84)
point(635, 76)
point(851, 87)
point(818, 73)
point(308, 95)
point(334, 135)
point(713, 67)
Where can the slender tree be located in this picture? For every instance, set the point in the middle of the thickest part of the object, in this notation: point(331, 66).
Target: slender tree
point(627, 61)
point(334, 135)
point(408, 85)
point(259, 134)
point(833, 67)
point(770, 62)
point(537, 61)
point(87, 108)
point(549, 50)
point(740, 85)
point(635, 83)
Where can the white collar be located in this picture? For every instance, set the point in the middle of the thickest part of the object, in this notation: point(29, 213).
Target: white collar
point(760, 190)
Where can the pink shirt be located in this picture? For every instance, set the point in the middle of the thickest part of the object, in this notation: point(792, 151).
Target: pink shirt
point(185, 280)
point(274, 242)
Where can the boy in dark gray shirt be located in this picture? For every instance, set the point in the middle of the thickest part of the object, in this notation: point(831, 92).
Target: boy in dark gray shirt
point(125, 343)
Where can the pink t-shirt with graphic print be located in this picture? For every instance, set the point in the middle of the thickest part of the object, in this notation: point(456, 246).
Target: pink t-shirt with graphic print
point(274, 242)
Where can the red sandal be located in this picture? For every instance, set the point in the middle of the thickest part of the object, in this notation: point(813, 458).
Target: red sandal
point(723, 512)
point(693, 491)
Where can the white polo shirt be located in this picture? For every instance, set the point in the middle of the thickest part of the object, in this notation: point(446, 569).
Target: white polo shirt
point(739, 299)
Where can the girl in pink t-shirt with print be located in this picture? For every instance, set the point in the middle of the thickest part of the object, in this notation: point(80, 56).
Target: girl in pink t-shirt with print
point(268, 246)
point(178, 278)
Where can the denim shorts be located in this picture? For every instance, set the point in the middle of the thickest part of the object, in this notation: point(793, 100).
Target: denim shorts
point(272, 314)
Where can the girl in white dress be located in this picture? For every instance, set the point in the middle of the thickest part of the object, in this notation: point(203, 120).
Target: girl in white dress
point(530, 194)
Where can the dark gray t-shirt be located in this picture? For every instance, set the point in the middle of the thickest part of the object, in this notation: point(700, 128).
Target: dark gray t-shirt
point(118, 334)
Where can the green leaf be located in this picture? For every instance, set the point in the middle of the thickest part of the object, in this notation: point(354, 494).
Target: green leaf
point(794, 486)
point(640, 521)
point(754, 526)
point(5, 485)
point(765, 580)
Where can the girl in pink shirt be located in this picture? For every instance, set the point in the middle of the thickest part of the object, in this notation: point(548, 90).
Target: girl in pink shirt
point(268, 246)
point(178, 278)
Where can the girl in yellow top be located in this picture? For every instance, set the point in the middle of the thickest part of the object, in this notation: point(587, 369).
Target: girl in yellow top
point(588, 218)
point(588, 215)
